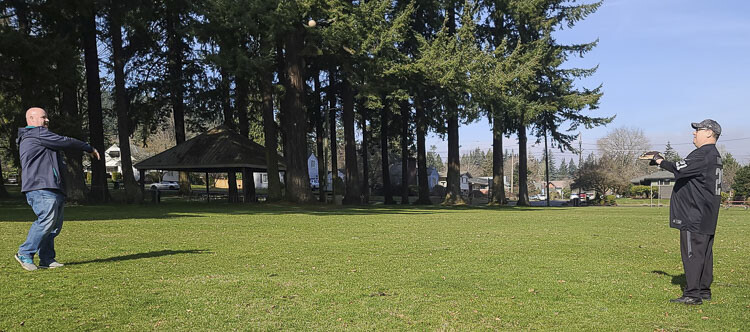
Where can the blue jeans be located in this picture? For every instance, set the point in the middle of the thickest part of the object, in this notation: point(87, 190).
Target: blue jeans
point(48, 207)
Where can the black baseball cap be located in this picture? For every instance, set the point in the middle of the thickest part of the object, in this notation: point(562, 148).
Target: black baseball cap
point(708, 124)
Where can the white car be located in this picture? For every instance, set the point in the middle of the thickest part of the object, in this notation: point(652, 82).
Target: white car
point(165, 185)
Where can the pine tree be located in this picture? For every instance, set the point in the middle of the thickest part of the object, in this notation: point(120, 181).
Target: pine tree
point(670, 154)
point(572, 168)
point(562, 171)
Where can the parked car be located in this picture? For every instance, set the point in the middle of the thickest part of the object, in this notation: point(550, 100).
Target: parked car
point(573, 196)
point(165, 185)
point(539, 197)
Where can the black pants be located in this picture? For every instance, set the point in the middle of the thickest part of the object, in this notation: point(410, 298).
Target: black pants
point(698, 263)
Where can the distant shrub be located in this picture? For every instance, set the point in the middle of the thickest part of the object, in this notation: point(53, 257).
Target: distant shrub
point(639, 191)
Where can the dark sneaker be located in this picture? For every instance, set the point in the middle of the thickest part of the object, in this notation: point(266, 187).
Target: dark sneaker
point(26, 263)
point(706, 297)
point(51, 265)
point(687, 300)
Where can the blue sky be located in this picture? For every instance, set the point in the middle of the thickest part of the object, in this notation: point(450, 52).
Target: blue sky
point(663, 64)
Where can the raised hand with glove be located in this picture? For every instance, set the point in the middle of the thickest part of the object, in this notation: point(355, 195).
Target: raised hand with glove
point(655, 157)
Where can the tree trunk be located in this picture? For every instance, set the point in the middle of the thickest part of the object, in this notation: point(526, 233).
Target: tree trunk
point(226, 99)
point(3, 191)
point(228, 112)
point(75, 182)
point(175, 58)
point(294, 120)
point(365, 155)
point(387, 195)
point(523, 169)
point(271, 137)
point(405, 110)
point(498, 183)
point(319, 136)
point(242, 89)
point(424, 187)
point(132, 191)
point(332, 130)
point(453, 192)
point(232, 185)
point(352, 195)
point(99, 192)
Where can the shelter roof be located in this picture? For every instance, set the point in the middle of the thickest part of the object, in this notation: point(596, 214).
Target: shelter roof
point(217, 150)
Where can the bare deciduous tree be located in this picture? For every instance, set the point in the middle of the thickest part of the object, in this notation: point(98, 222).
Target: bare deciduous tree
point(620, 149)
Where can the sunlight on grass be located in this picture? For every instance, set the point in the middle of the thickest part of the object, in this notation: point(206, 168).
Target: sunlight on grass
point(222, 267)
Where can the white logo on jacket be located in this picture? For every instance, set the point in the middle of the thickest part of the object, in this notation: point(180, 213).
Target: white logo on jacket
point(680, 165)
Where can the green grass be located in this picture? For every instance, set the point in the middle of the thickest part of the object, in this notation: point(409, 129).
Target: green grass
point(195, 266)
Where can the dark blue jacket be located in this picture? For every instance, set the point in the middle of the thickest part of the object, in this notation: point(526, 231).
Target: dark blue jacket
point(41, 161)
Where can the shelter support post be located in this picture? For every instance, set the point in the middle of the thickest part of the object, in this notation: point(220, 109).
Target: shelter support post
point(142, 173)
point(208, 192)
point(248, 185)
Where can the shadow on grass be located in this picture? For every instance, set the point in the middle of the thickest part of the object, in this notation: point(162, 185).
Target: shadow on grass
point(150, 254)
point(678, 279)
point(19, 211)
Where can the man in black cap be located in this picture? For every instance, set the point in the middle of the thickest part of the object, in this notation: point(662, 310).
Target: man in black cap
point(694, 208)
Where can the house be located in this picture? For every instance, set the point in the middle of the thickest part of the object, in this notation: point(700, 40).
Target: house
point(312, 171)
point(660, 178)
point(558, 186)
point(484, 183)
point(259, 178)
point(662, 181)
point(465, 181)
point(329, 180)
point(481, 183)
point(411, 167)
point(432, 177)
point(113, 161)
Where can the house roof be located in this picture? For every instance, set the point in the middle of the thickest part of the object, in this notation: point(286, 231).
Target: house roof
point(215, 150)
point(559, 184)
point(660, 175)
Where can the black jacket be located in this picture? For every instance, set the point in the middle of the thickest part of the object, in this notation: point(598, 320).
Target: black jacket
point(696, 197)
point(41, 163)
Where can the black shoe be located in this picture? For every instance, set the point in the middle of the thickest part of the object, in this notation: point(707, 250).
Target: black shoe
point(687, 300)
point(706, 297)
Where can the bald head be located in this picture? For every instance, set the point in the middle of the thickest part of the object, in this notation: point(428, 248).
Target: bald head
point(36, 117)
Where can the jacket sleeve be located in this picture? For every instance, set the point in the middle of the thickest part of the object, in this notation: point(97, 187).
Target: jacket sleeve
point(57, 142)
point(690, 167)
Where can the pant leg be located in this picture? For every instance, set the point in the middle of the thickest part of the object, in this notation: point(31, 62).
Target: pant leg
point(47, 252)
point(693, 248)
point(708, 268)
point(45, 205)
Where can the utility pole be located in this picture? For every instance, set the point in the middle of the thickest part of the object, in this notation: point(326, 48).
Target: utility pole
point(580, 158)
point(512, 153)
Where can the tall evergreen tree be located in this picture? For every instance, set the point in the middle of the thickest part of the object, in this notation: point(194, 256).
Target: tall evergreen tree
point(670, 154)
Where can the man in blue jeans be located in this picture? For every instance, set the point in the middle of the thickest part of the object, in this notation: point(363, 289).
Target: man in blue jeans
point(42, 182)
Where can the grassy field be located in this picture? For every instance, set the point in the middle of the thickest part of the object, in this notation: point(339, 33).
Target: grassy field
point(195, 266)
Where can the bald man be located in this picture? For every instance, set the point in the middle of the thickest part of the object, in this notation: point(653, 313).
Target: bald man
point(42, 182)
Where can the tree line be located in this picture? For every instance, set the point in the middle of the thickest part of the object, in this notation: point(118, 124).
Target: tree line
point(287, 72)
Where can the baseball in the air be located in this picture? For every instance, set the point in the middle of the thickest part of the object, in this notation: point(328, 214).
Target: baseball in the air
point(311, 23)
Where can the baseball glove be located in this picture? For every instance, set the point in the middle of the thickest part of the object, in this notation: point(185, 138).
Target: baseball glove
point(651, 155)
